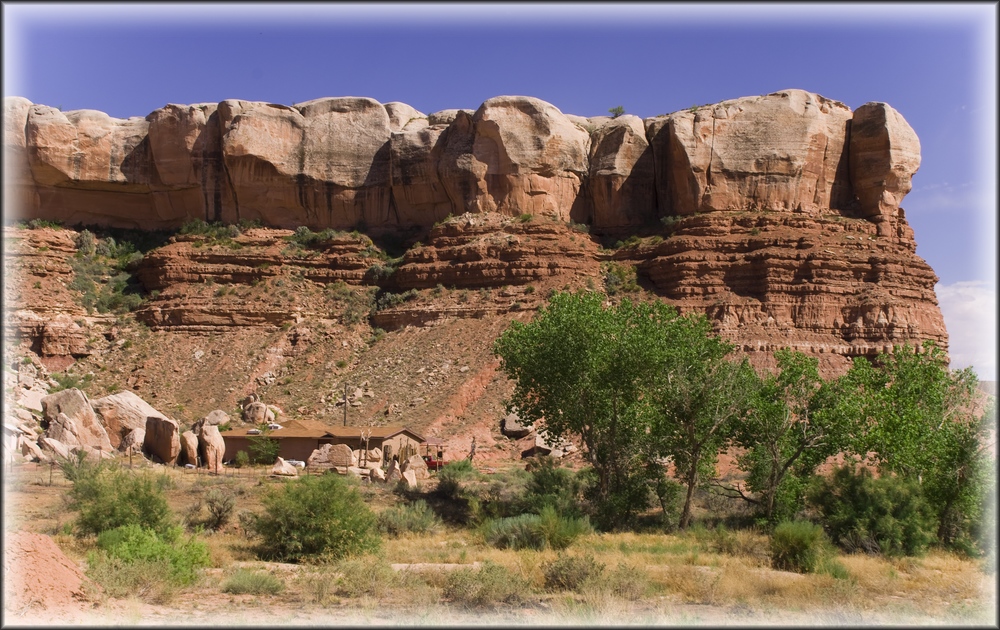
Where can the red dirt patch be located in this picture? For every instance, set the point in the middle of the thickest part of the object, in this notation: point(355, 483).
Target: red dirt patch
point(38, 577)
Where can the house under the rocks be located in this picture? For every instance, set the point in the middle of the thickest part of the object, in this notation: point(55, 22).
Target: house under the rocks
point(299, 438)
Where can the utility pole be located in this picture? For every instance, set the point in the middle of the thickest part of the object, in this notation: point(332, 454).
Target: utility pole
point(345, 403)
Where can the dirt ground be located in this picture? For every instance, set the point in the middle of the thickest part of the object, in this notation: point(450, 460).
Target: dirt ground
point(45, 585)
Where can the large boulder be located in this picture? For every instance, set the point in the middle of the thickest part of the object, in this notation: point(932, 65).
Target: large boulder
point(72, 420)
point(512, 427)
point(884, 155)
point(123, 412)
point(331, 456)
point(32, 451)
point(622, 186)
point(281, 467)
point(162, 439)
point(212, 446)
point(214, 418)
point(257, 413)
point(53, 448)
point(410, 477)
point(133, 441)
point(782, 152)
point(189, 448)
point(417, 465)
point(516, 154)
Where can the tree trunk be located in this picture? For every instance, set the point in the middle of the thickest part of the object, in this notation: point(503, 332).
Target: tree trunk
point(692, 481)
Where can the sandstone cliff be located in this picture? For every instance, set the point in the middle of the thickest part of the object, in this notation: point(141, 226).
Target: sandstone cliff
point(776, 216)
point(349, 162)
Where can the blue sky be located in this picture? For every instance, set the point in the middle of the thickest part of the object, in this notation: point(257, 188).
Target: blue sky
point(934, 63)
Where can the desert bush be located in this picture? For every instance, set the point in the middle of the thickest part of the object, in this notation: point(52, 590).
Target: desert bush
point(570, 573)
point(220, 505)
point(134, 543)
point(452, 475)
point(551, 485)
point(148, 580)
point(487, 587)
point(624, 582)
point(242, 459)
point(314, 517)
point(619, 277)
point(109, 497)
point(246, 582)
point(390, 300)
point(69, 381)
point(535, 531)
point(888, 515)
point(86, 243)
point(413, 517)
point(79, 466)
point(798, 546)
point(367, 576)
point(514, 532)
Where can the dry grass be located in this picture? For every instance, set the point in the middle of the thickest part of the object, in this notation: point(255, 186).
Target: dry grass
point(648, 578)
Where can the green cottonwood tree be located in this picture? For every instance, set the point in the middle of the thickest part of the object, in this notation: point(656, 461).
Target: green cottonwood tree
point(636, 382)
point(788, 433)
point(697, 399)
point(582, 369)
point(918, 419)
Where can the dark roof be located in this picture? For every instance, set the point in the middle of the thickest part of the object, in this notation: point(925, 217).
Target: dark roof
point(377, 432)
point(316, 429)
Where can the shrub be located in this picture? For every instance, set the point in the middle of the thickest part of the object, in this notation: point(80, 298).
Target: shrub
point(242, 459)
point(220, 508)
point(314, 517)
point(620, 277)
point(366, 576)
point(887, 515)
point(490, 585)
point(570, 573)
point(246, 582)
point(798, 546)
point(148, 580)
point(414, 517)
point(390, 300)
point(514, 532)
point(86, 243)
point(134, 543)
point(551, 485)
point(560, 531)
point(535, 531)
point(452, 475)
point(109, 497)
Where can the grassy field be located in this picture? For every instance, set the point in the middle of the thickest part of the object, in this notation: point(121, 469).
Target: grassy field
point(699, 576)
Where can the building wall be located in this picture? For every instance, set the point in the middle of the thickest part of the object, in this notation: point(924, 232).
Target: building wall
point(298, 448)
point(289, 448)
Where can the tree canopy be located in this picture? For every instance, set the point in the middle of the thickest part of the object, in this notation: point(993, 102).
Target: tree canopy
point(636, 381)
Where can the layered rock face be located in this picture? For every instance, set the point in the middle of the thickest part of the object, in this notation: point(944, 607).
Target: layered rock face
point(345, 162)
point(777, 216)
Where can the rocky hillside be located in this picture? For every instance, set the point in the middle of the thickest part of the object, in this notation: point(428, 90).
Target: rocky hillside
point(360, 242)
